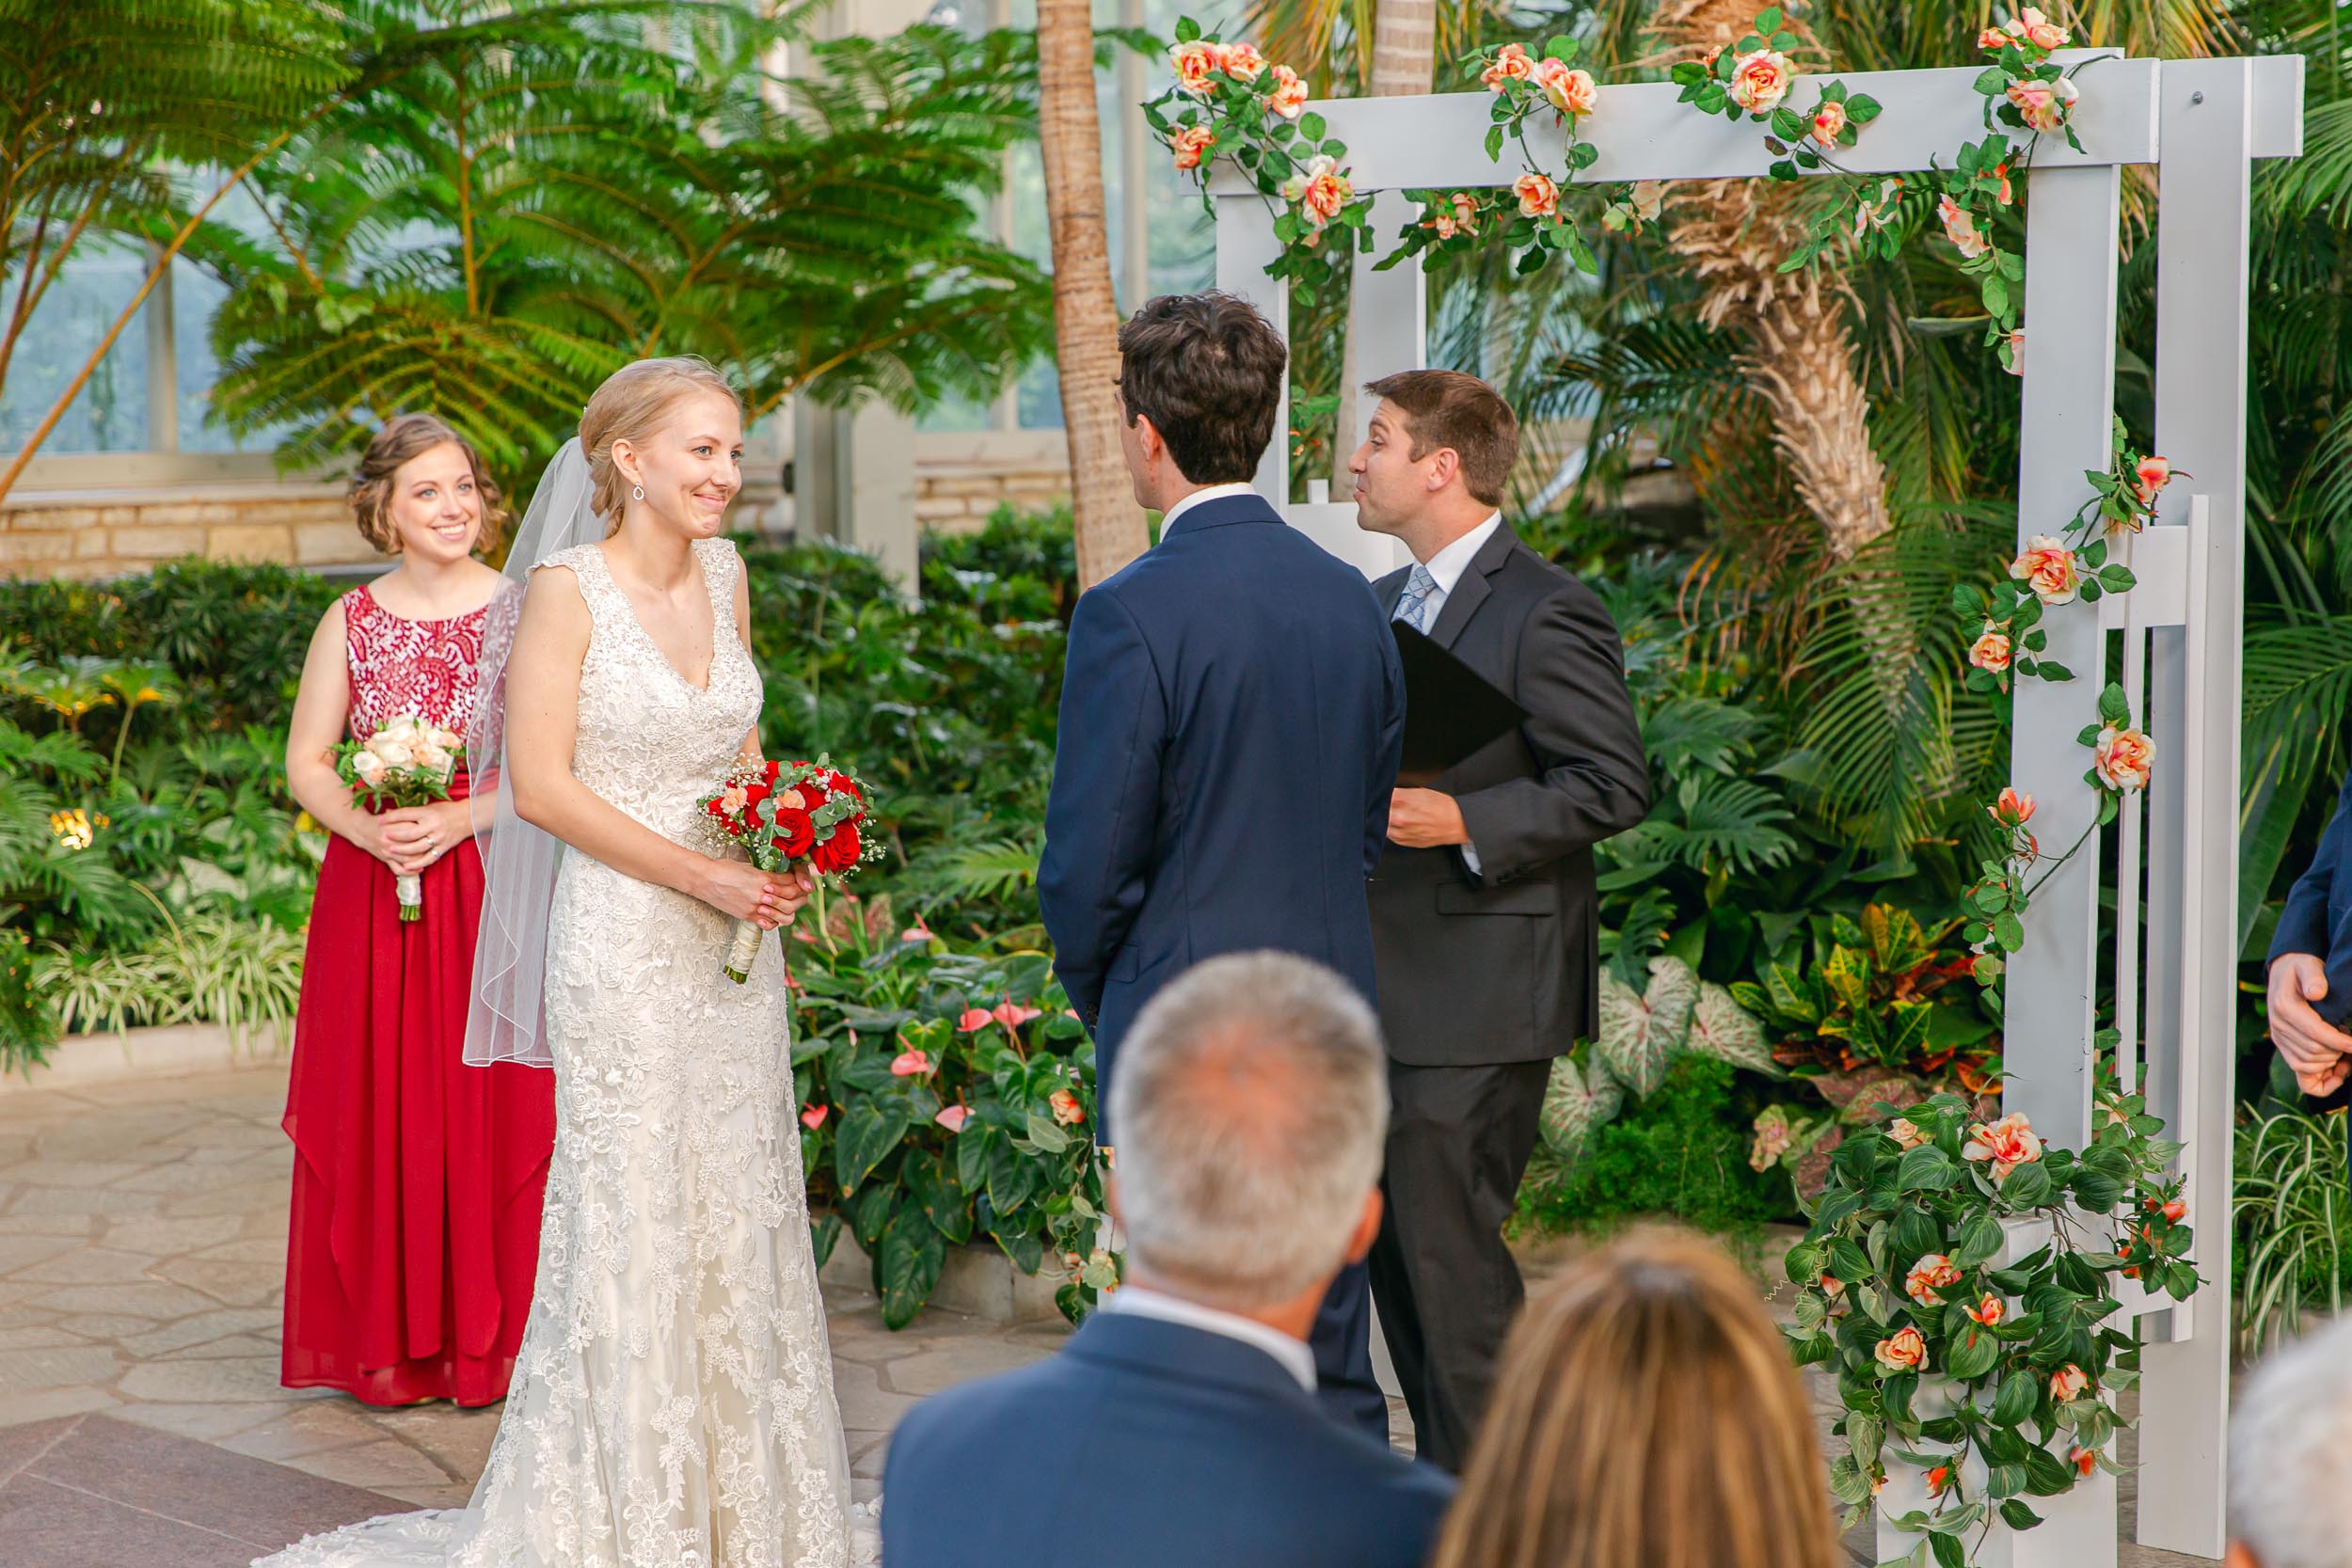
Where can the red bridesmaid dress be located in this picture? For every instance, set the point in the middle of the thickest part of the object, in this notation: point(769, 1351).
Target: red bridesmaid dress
point(414, 1237)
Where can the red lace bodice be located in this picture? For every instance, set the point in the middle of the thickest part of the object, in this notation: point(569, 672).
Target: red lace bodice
point(425, 668)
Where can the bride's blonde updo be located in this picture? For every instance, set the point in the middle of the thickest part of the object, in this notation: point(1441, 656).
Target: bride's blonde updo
point(630, 406)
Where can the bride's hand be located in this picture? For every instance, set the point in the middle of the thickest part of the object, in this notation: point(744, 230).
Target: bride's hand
point(748, 893)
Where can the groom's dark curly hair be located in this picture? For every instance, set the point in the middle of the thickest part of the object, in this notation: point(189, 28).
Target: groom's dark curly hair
point(1206, 370)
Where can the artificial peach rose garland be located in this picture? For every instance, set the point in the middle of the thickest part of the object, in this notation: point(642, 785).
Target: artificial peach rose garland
point(2123, 759)
point(1229, 103)
point(2050, 573)
point(2027, 90)
point(2024, 91)
point(1526, 213)
point(1910, 1272)
point(1753, 77)
point(2053, 570)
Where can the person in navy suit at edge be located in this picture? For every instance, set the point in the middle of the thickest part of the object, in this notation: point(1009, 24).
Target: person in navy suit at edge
point(1178, 1427)
point(2311, 967)
point(1233, 714)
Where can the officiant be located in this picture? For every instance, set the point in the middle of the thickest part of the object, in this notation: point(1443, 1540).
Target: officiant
point(1485, 916)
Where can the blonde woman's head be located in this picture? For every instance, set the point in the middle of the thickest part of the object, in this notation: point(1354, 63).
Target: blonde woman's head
point(421, 490)
point(1646, 1416)
point(664, 440)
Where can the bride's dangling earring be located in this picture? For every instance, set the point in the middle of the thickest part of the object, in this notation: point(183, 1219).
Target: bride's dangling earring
point(636, 492)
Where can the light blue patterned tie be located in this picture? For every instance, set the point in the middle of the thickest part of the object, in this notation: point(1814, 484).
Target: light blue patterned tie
point(1413, 607)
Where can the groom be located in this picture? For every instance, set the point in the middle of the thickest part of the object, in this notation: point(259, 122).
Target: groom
point(1231, 717)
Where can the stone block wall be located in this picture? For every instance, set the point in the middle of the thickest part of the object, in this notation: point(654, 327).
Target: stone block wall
point(959, 480)
point(99, 533)
point(94, 532)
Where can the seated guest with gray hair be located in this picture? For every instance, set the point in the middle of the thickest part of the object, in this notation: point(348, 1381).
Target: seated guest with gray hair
point(1178, 1428)
point(2290, 1457)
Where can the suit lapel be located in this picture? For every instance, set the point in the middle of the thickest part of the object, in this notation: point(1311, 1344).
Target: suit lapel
point(1471, 590)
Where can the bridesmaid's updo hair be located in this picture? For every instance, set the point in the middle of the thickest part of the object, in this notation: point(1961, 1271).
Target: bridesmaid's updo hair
point(405, 437)
point(630, 406)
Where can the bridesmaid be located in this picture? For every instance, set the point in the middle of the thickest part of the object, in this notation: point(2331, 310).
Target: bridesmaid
point(414, 1235)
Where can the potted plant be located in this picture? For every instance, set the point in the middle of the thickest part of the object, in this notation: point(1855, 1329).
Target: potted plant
point(1963, 1278)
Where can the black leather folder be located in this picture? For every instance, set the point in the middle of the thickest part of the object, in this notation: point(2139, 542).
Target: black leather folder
point(1450, 710)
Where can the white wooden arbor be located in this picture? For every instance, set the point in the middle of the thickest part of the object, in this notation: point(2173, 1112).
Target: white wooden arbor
point(2202, 123)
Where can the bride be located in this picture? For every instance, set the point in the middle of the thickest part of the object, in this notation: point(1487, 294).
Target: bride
point(672, 1402)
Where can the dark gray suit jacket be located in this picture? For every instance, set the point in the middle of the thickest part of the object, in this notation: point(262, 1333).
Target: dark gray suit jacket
point(1502, 965)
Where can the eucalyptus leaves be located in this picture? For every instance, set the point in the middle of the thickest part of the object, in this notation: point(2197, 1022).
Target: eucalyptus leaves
point(1960, 1279)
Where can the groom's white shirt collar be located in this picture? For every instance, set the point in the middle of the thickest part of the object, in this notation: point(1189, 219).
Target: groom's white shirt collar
point(1199, 498)
point(1142, 1302)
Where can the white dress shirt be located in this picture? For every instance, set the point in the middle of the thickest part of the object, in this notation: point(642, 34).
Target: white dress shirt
point(1445, 568)
point(1143, 1302)
point(1206, 493)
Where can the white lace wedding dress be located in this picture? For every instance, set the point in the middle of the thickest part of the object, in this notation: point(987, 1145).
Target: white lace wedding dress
point(673, 1403)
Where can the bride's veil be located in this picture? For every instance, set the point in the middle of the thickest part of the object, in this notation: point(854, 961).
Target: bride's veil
point(518, 861)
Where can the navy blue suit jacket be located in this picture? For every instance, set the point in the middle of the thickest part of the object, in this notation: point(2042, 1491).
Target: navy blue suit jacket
point(1232, 717)
point(2318, 916)
point(1147, 1443)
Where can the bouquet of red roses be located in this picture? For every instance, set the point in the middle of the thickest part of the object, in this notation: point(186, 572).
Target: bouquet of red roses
point(779, 812)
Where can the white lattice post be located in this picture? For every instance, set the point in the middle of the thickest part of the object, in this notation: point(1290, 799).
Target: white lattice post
point(2069, 401)
point(2071, 216)
point(2207, 198)
point(2214, 116)
point(1388, 310)
point(1246, 247)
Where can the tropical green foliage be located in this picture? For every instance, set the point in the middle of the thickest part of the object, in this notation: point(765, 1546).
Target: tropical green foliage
point(152, 861)
point(519, 200)
point(101, 99)
point(213, 968)
point(1681, 1152)
point(1945, 1355)
point(945, 1098)
point(2289, 1253)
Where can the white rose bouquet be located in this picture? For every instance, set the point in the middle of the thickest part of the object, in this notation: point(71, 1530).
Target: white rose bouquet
point(407, 762)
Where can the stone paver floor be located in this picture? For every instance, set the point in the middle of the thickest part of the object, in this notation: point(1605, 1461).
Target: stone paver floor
point(142, 1258)
point(142, 1264)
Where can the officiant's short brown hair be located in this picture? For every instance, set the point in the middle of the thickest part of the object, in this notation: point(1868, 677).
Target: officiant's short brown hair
point(1446, 408)
point(1206, 370)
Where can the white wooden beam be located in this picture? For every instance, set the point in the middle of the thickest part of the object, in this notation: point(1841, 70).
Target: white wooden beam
point(2071, 218)
point(1642, 132)
point(1246, 247)
point(2211, 113)
point(1389, 312)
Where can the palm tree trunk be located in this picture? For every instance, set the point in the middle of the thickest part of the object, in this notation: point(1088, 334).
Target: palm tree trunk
point(1111, 531)
point(1403, 60)
point(1404, 47)
point(1734, 234)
